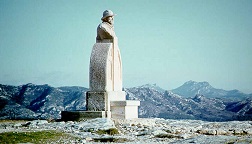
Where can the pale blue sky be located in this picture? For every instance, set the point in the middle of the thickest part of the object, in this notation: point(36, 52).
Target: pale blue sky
point(166, 42)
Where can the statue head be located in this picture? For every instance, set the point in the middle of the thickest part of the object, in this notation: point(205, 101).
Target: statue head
point(108, 16)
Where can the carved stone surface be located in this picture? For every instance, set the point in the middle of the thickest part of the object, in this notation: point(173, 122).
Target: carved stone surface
point(105, 71)
point(98, 67)
point(105, 31)
point(97, 101)
point(100, 101)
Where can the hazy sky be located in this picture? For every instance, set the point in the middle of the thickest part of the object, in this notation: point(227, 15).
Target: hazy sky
point(166, 42)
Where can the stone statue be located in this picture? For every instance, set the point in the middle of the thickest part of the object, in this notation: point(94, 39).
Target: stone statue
point(105, 98)
point(105, 30)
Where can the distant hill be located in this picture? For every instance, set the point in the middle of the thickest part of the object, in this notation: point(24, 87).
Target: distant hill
point(32, 101)
point(192, 88)
point(39, 101)
point(173, 106)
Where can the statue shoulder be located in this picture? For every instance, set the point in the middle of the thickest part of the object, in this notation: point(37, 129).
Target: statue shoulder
point(105, 26)
point(105, 31)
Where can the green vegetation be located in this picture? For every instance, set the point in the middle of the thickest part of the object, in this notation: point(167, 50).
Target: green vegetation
point(111, 131)
point(34, 137)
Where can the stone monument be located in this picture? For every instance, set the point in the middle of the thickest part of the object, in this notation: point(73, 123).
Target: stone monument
point(105, 97)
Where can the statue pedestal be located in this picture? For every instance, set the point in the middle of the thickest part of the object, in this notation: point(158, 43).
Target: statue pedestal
point(100, 101)
point(114, 104)
point(104, 105)
point(81, 115)
point(127, 109)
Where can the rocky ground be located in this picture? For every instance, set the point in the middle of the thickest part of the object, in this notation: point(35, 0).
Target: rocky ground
point(139, 131)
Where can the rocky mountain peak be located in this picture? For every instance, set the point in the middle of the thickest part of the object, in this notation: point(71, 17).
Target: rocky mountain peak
point(153, 87)
point(194, 84)
point(192, 88)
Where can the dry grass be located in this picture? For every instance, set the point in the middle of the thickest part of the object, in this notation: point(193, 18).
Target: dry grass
point(33, 137)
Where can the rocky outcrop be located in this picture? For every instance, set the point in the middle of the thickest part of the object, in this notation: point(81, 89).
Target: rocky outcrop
point(141, 130)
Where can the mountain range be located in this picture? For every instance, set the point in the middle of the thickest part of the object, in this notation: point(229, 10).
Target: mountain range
point(192, 100)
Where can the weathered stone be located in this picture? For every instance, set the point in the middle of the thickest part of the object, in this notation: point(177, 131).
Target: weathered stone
point(81, 115)
point(88, 139)
point(38, 122)
point(207, 131)
point(185, 136)
point(140, 129)
point(249, 131)
point(97, 101)
point(105, 71)
point(17, 124)
point(95, 124)
point(238, 132)
point(142, 133)
point(211, 132)
point(221, 132)
point(158, 132)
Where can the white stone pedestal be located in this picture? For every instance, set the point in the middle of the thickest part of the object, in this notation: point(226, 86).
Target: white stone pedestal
point(100, 101)
point(127, 109)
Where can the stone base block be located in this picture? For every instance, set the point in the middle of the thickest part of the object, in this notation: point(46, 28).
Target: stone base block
point(100, 101)
point(83, 115)
point(127, 109)
point(117, 95)
point(97, 101)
